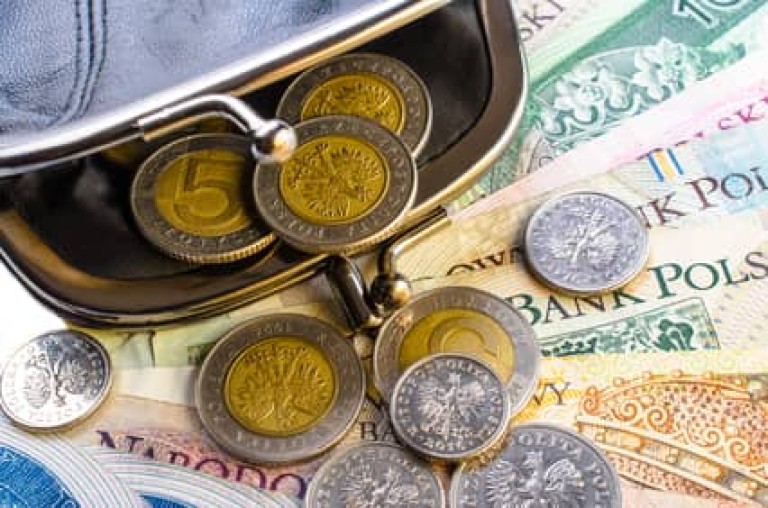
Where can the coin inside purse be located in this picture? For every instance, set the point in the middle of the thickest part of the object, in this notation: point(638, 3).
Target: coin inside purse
point(69, 235)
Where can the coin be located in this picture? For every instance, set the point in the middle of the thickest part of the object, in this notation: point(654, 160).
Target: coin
point(375, 87)
point(375, 475)
point(541, 465)
point(55, 380)
point(192, 200)
point(348, 184)
point(280, 388)
point(459, 320)
point(586, 242)
point(449, 407)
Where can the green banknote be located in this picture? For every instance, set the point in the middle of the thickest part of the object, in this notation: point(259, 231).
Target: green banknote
point(618, 60)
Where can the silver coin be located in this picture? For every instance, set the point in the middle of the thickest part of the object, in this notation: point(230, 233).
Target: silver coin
point(449, 407)
point(540, 465)
point(54, 381)
point(375, 87)
point(375, 475)
point(280, 388)
point(460, 320)
point(347, 186)
point(586, 242)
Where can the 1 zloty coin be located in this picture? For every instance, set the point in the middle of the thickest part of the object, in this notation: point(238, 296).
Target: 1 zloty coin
point(55, 381)
point(375, 87)
point(375, 475)
point(540, 465)
point(192, 200)
point(280, 388)
point(459, 320)
point(450, 407)
point(348, 185)
point(585, 243)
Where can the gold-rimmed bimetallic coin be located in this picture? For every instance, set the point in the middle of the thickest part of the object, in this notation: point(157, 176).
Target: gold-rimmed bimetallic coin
point(280, 388)
point(370, 86)
point(347, 186)
point(192, 200)
point(459, 320)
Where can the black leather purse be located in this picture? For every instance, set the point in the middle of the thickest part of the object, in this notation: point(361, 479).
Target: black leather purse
point(81, 77)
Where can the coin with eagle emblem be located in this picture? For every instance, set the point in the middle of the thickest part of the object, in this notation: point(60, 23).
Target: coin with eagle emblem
point(540, 465)
point(376, 87)
point(585, 243)
point(348, 185)
point(55, 381)
point(460, 320)
point(450, 407)
point(280, 388)
point(375, 475)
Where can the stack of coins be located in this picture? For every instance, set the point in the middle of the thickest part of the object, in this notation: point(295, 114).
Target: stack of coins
point(360, 120)
point(455, 365)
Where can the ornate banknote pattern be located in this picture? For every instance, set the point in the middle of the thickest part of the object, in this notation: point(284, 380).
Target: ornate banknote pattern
point(615, 61)
point(692, 423)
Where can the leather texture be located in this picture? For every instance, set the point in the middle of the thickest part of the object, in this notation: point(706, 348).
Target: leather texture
point(62, 59)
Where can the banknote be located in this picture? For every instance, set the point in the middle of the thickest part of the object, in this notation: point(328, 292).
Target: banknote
point(705, 288)
point(621, 59)
point(161, 484)
point(50, 471)
point(698, 182)
point(693, 423)
point(172, 433)
point(169, 432)
point(704, 109)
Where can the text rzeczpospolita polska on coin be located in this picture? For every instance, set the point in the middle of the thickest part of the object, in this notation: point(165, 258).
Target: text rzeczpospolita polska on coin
point(459, 320)
point(450, 407)
point(541, 465)
point(55, 381)
point(375, 475)
point(348, 184)
point(280, 388)
point(375, 87)
point(585, 243)
point(192, 200)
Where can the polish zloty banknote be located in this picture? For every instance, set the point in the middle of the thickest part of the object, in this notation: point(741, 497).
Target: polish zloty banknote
point(724, 174)
point(161, 484)
point(734, 97)
point(46, 470)
point(170, 432)
point(694, 423)
point(705, 287)
point(618, 61)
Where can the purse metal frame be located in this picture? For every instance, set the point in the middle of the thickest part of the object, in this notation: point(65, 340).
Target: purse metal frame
point(460, 164)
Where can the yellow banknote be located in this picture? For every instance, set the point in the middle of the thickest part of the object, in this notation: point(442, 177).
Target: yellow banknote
point(704, 287)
